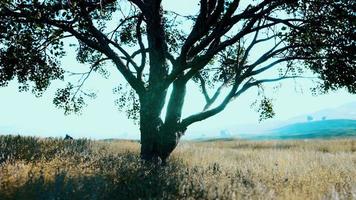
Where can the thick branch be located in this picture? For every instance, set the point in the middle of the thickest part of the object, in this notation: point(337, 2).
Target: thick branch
point(175, 104)
point(203, 88)
point(156, 43)
point(142, 47)
point(208, 113)
point(213, 99)
point(231, 95)
point(104, 42)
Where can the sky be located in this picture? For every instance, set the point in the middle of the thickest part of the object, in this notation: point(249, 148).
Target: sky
point(22, 113)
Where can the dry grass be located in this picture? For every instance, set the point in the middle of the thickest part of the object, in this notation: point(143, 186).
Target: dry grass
point(312, 169)
point(32, 168)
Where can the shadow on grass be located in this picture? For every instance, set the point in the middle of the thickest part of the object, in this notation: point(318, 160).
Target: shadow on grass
point(80, 173)
point(117, 178)
point(55, 169)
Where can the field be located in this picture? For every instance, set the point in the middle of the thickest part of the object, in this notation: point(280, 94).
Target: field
point(34, 168)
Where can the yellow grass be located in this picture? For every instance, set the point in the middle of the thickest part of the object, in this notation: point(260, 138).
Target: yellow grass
point(283, 170)
point(314, 169)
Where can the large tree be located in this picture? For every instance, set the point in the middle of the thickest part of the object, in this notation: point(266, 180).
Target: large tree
point(155, 49)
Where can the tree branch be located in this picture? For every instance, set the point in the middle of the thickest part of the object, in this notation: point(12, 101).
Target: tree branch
point(104, 42)
point(203, 87)
point(142, 47)
point(208, 113)
point(213, 99)
point(92, 68)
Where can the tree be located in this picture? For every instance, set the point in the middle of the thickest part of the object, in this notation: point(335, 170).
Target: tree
point(310, 118)
point(155, 49)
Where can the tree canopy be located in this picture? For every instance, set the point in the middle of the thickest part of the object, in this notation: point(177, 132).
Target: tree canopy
point(154, 48)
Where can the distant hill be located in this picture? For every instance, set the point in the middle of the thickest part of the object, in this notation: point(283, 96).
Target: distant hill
point(346, 111)
point(313, 129)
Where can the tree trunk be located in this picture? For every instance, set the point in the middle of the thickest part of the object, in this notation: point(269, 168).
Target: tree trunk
point(158, 140)
point(168, 141)
point(151, 105)
point(156, 147)
point(149, 140)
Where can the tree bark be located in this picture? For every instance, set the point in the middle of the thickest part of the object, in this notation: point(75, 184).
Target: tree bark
point(151, 104)
point(149, 139)
point(158, 139)
point(169, 139)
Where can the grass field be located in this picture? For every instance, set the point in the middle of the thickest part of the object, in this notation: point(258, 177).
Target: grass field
point(34, 168)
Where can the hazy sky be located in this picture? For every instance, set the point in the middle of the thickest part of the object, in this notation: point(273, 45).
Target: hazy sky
point(25, 114)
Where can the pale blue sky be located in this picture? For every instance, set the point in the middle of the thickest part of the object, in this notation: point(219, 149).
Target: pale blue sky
point(24, 114)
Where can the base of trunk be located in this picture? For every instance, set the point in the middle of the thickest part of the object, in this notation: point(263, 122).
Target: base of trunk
point(149, 148)
point(156, 148)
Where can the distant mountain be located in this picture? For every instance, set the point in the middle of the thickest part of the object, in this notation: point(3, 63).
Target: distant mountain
point(328, 123)
point(314, 129)
point(346, 111)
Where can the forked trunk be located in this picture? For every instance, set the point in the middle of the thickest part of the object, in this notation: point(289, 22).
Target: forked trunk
point(168, 141)
point(158, 141)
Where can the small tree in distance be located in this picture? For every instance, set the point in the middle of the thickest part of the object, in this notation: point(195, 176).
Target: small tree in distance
point(154, 49)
